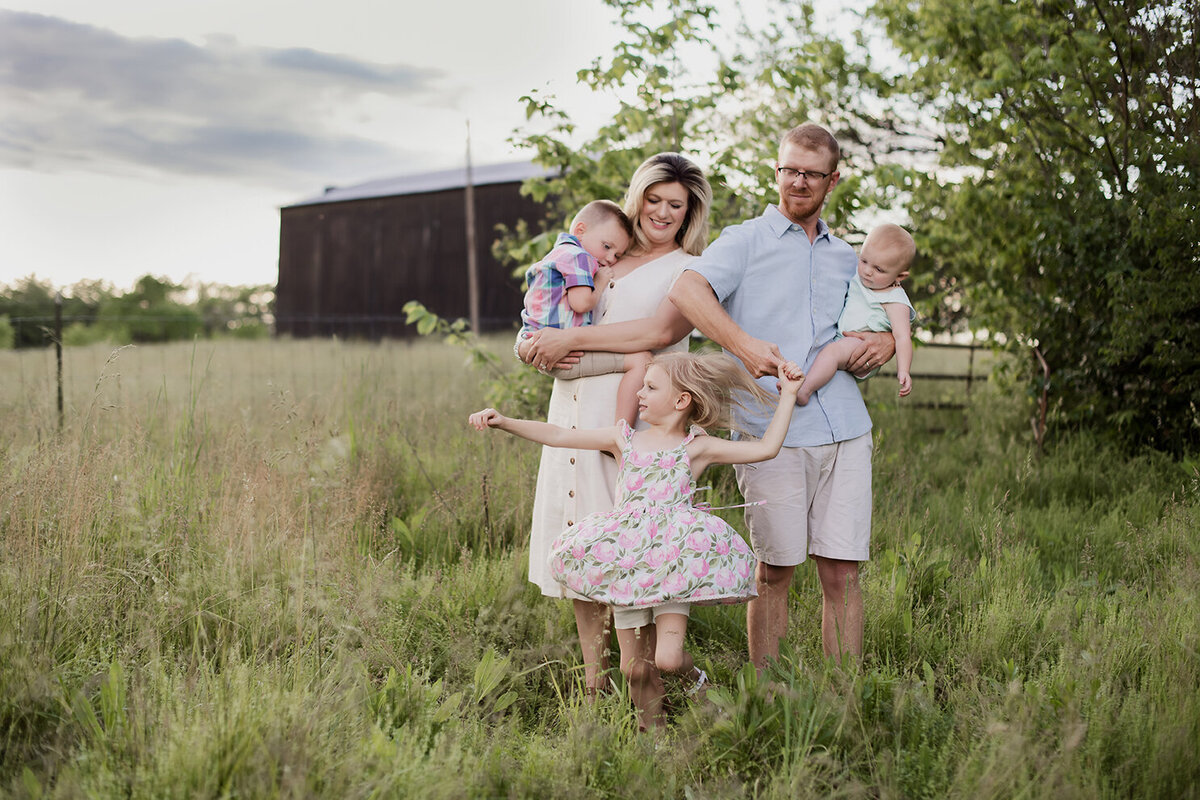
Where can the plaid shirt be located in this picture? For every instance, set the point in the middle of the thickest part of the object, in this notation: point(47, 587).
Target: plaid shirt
point(567, 265)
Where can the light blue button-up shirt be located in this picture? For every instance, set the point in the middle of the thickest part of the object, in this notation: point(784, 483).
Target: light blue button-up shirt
point(781, 288)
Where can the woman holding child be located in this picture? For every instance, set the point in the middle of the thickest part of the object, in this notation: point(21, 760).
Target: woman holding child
point(668, 202)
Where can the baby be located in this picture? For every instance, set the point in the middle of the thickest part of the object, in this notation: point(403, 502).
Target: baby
point(874, 302)
point(563, 291)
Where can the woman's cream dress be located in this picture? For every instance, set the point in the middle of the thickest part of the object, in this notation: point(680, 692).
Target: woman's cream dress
point(574, 483)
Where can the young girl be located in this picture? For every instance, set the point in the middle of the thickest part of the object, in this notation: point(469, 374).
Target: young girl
point(655, 554)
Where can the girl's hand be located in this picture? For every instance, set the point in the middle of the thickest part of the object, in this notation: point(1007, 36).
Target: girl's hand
point(488, 418)
point(790, 378)
point(905, 383)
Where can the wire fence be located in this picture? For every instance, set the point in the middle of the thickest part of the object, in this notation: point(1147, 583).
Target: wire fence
point(56, 380)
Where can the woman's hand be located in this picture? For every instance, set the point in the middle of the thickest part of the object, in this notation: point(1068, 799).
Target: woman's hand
point(549, 348)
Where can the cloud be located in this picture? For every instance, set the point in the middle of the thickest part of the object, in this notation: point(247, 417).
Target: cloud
point(83, 97)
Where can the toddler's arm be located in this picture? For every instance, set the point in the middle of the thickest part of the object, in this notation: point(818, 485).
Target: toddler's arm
point(714, 450)
point(582, 298)
point(898, 315)
point(544, 433)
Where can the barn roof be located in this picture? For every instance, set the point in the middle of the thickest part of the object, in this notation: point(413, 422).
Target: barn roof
point(420, 183)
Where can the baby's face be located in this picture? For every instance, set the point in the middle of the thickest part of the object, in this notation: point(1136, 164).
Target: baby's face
point(881, 266)
point(606, 241)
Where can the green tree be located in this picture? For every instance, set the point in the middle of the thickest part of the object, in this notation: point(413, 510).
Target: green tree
point(1065, 196)
point(152, 312)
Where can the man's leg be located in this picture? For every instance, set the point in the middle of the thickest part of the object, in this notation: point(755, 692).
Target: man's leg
point(767, 614)
point(841, 608)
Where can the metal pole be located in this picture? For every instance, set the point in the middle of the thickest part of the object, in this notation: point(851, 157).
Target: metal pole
point(58, 338)
point(472, 262)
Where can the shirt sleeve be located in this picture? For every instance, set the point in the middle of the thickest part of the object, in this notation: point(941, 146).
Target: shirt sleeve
point(576, 266)
point(723, 263)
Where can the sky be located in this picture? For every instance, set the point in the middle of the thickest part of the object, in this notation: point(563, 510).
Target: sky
point(149, 137)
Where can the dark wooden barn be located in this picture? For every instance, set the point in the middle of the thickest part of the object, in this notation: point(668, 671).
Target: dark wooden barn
point(351, 258)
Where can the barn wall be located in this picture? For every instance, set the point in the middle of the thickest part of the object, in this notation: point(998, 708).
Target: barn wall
point(348, 268)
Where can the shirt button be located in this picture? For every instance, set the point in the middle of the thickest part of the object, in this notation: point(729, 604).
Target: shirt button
point(572, 428)
point(570, 522)
point(571, 493)
point(572, 460)
point(612, 284)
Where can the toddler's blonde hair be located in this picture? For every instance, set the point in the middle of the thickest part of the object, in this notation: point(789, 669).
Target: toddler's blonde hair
point(716, 383)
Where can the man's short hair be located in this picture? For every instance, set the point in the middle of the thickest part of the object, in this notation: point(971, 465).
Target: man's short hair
point(812, 136)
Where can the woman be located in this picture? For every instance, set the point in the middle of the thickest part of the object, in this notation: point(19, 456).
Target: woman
point(668, 201)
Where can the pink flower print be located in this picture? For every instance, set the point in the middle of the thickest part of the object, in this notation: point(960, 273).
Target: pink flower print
point(721, 546)
point(640, 459)
point(656, 557)
point(611, 524)
point(687, 518)
point(647, 580)
point(670, 552)
point(634, 482)
point(578, 551)
point(595, 576)
point(621, 593)
point(659, 492)
point(698, 542)
point(604, 552)
point(667, 461)
point(699, 567)
point(745, 568)
point(714, 524)
point(652, 529)
point(685, 484)
point(739, 545)
point(702, 592)
point(673, 584)
point(575, 583)
point(630, 537)
point(628, 562)
point(725, 579)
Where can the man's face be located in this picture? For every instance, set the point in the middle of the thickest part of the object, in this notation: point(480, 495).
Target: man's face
point(801, 198)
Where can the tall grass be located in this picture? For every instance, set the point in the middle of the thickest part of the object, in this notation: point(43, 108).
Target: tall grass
point(288, 569)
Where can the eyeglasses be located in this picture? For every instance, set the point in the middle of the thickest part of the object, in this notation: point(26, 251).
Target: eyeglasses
point(790, 174)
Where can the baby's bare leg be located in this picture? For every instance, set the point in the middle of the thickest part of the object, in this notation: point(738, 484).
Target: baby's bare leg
point(833, 356)
point(631, 382)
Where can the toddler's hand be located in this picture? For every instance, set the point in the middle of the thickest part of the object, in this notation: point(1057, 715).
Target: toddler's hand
point(602, 278)
point(905, 383)
point(488, 418)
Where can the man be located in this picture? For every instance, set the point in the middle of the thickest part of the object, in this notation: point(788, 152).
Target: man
point(768, 290)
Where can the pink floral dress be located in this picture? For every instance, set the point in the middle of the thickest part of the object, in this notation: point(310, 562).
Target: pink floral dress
point(654, 547)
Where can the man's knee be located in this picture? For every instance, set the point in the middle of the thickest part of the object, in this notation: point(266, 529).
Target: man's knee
point(773, 577)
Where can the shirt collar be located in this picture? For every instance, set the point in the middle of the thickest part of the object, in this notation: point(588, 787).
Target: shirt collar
point(780, 224)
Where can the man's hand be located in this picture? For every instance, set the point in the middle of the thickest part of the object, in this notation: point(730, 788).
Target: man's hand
point(762, 358)
point(879, 348)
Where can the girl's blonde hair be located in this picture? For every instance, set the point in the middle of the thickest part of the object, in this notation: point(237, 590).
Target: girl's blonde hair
point(672, 168)
point(716, 383)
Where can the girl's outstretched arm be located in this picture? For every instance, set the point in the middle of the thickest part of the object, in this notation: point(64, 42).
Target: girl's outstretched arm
point(706, 450)
point(607, 439)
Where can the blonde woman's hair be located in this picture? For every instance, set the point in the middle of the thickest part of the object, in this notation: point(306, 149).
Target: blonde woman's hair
point(716, 383)
point(671, 168)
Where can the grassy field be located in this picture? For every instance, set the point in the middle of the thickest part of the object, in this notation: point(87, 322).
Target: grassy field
point(288, 569)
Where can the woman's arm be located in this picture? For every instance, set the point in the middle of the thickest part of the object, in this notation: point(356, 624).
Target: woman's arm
point(664, 328)
point(703, 452)
point(607, 439)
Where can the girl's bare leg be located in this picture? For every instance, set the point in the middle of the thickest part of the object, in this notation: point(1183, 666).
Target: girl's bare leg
point(669, 654)
point(593, 621)
point(645, 681)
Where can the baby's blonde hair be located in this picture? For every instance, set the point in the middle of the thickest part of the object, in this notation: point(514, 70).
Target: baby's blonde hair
point(716, 383)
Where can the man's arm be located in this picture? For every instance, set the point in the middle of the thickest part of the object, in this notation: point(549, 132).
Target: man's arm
point(694, 298)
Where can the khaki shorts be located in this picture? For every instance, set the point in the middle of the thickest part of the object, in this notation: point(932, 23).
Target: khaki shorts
point(625, 618)
point(814, 501)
